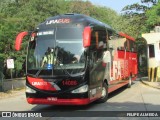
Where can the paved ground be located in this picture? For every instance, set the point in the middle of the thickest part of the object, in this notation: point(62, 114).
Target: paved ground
point(11, 93)
point(139, 97)
point(145, 81)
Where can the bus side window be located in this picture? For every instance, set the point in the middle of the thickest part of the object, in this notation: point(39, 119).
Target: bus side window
point(109, 38)
point(94, 40)
point(132, 45)
point(127, 45)
point(107, 41)
point(102, 39)
point(93, 48)
point(98, 44)
point(98, 39)
point(102, 43)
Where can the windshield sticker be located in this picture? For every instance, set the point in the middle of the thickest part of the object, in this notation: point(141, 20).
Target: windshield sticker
point(58, 21)
point(67, 41)
point(45, 33)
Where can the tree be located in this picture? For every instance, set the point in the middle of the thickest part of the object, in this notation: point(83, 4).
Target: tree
point(153, 16)
point(136, 15)
point(25, 15)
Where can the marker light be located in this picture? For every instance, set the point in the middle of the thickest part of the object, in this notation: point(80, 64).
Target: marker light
point(30, 90)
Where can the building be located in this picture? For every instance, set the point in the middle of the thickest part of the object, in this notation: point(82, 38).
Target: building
point(153, 48)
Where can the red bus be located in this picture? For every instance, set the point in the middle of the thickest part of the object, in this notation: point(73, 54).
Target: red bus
point(73, 59)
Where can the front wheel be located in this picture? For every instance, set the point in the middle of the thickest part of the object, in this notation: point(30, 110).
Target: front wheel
point(104, 96)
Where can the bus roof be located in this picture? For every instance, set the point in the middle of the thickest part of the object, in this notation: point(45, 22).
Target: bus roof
point(75, 19)
point(70, 18)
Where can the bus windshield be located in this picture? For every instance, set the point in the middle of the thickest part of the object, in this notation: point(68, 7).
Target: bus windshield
point(56, 52)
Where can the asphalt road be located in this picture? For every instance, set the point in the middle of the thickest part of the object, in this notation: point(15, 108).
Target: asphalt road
point(137, 98)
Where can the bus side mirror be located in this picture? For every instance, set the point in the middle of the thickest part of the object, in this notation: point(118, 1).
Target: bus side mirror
point(87, 36)
point(19, 39)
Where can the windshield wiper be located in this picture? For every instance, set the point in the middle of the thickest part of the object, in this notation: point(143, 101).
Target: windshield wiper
point(62, 68)
point(60, 62)
point(38, 72)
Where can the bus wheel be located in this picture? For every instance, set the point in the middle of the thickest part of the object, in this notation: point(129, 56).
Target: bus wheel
point(104, 94)
point(130, 82)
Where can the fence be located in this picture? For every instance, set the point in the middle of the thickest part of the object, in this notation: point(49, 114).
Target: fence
point(1, 74)
point(10, 84)
point(1, 81)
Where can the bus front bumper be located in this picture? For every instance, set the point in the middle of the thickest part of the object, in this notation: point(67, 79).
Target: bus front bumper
point(55, 101)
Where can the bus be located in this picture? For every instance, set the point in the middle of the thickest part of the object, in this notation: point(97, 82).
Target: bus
point(88, 60)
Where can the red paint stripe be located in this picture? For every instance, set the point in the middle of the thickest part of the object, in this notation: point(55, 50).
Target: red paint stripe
point(83, 101)
point(40, 84)
point(115, 87)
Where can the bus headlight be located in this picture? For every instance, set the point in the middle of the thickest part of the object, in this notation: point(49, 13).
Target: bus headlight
point(81, 89)
point(30, 90)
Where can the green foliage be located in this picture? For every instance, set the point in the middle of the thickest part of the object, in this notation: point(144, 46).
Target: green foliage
point(135, 15)
point(142, 17)
point(153, 16)
point(25, 15)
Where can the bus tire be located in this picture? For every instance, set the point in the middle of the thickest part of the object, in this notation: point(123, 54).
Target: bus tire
point(129, 82)
point(104, 94)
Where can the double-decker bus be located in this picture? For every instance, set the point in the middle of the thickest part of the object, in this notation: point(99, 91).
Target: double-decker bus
point(74, 59)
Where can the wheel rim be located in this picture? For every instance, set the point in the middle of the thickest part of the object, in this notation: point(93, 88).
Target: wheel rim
point(103, 92)
point(130, 81)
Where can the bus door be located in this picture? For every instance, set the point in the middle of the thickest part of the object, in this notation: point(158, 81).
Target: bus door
point(96, 65)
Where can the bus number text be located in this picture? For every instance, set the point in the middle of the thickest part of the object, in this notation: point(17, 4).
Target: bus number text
point(69, 82)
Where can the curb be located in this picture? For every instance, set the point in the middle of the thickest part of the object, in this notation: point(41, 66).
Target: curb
point(149, 84)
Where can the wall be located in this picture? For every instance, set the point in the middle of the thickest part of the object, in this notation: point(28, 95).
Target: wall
point(154, 39)
point(9, 84)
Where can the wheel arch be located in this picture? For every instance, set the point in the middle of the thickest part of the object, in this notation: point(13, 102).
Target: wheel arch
point(106, 81)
